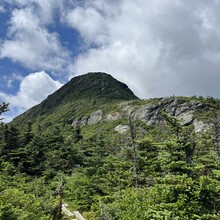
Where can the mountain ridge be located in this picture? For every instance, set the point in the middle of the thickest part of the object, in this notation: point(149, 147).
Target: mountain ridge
point(98, 97)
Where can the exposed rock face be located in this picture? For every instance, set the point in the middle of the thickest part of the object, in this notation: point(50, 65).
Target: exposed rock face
point(80, 122)
point(95, 117)
point(113, 116)
point(122, 128)
point(186, 117)
point(200, 126)
point(149, 113)
point(128, 110)
point(75, 122)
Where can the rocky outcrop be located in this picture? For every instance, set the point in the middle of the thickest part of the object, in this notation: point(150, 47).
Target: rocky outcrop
point(95, 117)
point(149, 113)
point(112, 116)
point(186, 117)
point(200, 126)
point(80, 122)
point(122, 128)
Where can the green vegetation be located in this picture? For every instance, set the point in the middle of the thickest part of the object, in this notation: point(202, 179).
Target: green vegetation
point(92, 87)
point(149, 172)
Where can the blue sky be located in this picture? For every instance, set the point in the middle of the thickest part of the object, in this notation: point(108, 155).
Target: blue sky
point(159, 48)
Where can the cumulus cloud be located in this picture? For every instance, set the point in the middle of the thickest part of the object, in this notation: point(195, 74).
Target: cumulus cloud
point(34, 88)
point(30, 43)
point(157, 47)
point(91, 19)
point(46, 10)
point(89, 22)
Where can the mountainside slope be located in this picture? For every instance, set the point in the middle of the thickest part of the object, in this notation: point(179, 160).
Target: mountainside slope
point(93, 87)
point(112, 156)
point(99, 98)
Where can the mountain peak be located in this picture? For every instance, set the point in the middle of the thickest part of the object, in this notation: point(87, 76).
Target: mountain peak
point(98, 85)
point(91, 86)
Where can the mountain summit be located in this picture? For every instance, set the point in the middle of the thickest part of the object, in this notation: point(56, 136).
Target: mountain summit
point(93, 86)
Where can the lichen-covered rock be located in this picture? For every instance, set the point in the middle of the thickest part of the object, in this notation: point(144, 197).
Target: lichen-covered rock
point(148, 114)
point(128, 110)
point(200, 126)
point(83, 121)
point(122, 128)
point(95, 117)
point(186, 117)
point(75, 122)
point(180, 110)
point(80, 122)
point(112, 116)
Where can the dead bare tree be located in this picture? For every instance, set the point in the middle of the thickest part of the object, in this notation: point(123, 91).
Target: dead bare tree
point(134, 152)
point(58, 209)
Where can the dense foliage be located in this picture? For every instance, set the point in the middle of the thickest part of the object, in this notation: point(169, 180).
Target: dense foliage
point(157, 172)
point(151, 172)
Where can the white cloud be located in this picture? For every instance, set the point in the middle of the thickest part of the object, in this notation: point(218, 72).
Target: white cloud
point(34, 88)
point(158, 48)
point(91, 19)
point(10, 79)
point(45, 10)
point(89, 22)
point(1, 9)
point(31, 44)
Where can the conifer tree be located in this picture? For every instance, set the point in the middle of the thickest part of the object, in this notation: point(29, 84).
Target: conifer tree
point(3, 108)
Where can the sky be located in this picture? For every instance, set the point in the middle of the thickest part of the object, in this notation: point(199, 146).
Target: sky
point(157, 47)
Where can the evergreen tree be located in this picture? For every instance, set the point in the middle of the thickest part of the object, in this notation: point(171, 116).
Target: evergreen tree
point(3, 108)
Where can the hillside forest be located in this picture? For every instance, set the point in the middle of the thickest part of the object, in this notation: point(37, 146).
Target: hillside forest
point(160, 171)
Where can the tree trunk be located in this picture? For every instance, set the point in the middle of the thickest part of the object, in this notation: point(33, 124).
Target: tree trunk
point(134, 149)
